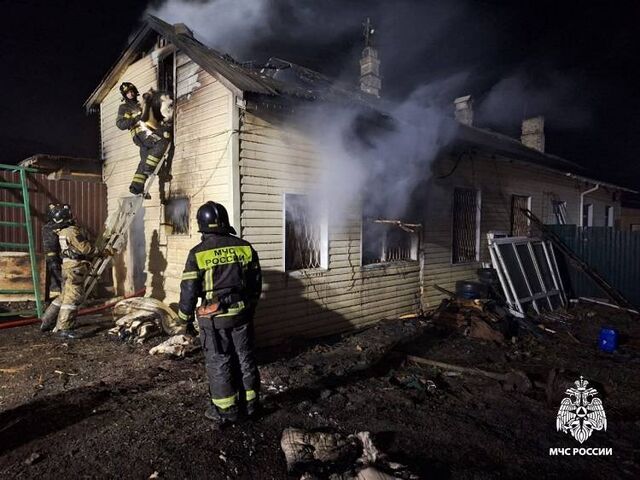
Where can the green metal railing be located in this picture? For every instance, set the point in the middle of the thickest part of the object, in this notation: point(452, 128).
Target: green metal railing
point(30, 245)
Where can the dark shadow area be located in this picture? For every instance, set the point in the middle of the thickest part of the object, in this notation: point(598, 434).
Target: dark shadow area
point(284, 303)
point(156, 267)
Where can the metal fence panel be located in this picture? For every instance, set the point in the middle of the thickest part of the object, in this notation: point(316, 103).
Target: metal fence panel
point(88, 200)
point(614, 254)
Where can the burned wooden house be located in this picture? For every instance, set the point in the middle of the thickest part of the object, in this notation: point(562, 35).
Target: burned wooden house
point(235, 143)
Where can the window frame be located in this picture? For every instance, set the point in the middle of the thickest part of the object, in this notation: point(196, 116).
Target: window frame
point(477, 229)
point(414, 238)
point(323, 240)
point(588, 209)
point(609, 216)
point(513, 197)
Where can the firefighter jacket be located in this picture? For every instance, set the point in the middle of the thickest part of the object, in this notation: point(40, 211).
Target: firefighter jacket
point(129, 114)
point(221, 269)
point(75, 245)
point(50, 243)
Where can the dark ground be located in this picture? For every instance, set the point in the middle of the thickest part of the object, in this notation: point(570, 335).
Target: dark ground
point(97, 408)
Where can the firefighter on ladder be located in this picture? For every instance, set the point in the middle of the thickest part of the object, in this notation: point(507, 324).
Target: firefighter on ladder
point(224, 271)
point(153, 141)
point(76, 252)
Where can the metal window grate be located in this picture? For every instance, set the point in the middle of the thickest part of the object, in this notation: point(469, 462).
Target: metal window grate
point(386, 243)
point(302, 234)
point(519, 221)
point(465, 228)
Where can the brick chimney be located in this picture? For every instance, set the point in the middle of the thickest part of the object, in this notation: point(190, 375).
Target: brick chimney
point(464, 109)
point(533, 133)
point(370, 64)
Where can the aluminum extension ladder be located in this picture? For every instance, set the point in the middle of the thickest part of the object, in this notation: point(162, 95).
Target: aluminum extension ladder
point(22, 190)
point(114, 237)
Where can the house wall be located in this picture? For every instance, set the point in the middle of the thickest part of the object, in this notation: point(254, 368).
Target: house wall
point(200, 171)
point(275, 159)
point(497, 180)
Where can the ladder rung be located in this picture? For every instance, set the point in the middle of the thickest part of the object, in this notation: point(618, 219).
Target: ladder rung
point(24, 246)
point(18, 313)
point(10, 185)
point(12, 224)
point(11, 204)
point(15, 292)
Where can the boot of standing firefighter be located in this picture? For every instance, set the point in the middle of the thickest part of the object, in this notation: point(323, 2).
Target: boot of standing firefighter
point(76, 252)
point(224, 271)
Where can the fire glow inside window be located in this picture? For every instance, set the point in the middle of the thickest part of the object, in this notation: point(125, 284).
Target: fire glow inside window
point(385, 242)
point(305, 235)
point(466, 225)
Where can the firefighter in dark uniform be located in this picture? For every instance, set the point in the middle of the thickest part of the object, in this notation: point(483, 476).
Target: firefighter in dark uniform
point(153, 140)
point(76, 252)
point(51, 248)
point(223, 270)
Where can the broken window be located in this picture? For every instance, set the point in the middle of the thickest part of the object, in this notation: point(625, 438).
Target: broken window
point(587, 215)
point(519, 221)
point(165, 74)
point(388, 241)
point(302, 234)
point(608, 216)
point(176, 215)
point(466, 225)
point(559, 211)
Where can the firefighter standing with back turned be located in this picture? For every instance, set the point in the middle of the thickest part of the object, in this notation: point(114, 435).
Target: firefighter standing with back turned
point(76, 252)
point(224, 271)
point(51, 247)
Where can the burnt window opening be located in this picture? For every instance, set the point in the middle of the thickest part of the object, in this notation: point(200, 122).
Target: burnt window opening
point(466, 225)
point(177, 211)
point(519, 221)
point(387, 241)
point(302, 234)
point(165, 74)
point(559, 211)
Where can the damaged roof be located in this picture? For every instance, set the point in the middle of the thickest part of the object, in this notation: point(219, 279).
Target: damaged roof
point(281, 78)
point(271, 80)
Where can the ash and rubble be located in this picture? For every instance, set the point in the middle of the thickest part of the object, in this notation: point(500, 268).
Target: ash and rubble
point(435, 399)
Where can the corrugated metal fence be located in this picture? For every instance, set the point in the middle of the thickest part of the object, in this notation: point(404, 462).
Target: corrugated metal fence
point(613, 253)
point(88, 200)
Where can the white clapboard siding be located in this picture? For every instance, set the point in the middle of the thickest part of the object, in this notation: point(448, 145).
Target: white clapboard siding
point(276, 159)
point(498, 180)
point(201, 170)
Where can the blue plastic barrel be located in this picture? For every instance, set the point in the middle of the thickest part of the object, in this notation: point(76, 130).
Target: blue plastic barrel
point(608, 339)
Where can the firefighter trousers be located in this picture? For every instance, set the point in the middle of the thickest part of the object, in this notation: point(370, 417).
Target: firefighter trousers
point(67, 303)
point(53, 276)
point(152, 149)
point(230, 363)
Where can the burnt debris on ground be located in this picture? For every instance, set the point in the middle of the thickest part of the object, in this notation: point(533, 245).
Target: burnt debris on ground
point(458, 394)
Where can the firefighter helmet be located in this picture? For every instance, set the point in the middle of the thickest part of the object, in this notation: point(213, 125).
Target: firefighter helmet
point(126, 87)
point(213, 218)
point(61, 216)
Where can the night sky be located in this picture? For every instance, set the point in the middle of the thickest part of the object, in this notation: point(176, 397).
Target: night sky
point(575, 62)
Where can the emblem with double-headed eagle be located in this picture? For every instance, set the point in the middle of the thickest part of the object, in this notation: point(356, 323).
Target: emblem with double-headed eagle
point(580, 413)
